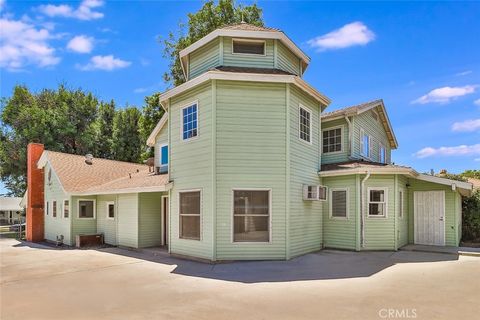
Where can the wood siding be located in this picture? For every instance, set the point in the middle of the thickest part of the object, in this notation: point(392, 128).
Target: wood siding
point(105, 225)
point(205, 58)
point(150, 219)
point(246, 60)
point(82, 225)
point(373, 128)
point(286, 60)
point(402, 222)
point(161, 139)
point(128, 220)
point(336, 157)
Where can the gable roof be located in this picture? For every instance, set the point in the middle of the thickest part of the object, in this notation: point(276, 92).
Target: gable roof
point(361, 108)
point(245, 30)
point(78, 177)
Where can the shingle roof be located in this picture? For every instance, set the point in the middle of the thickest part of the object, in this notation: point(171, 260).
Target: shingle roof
point(358, 164)
point(10, 204)
point(352, 109)
point(474, 182)
point(252, 70)
point(248, 27)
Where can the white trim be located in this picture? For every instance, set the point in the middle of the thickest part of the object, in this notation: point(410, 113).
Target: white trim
point(310, 113)
point(163, 222)
point(107, 204)
point(161, 146)
point(326, 192)
point(152, 137)
point(415, 215)
point(63, 208)
point(161, 188)
point(380, 147)
point(246, 40)
point(445, 181)
point(183, 107)
point(385, 202)
point(190, 215)
point(373, 170)
point(94, 209)
point(330, 203)
point(401, 202)
point(362, 144)
point(342, 128)
point(232, 228)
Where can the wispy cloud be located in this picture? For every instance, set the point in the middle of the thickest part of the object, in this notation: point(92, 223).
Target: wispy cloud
point(147, 89)
point(352, 34)
point(467, 125)
point(22, 44)
point(81, 44)
point(445, 94)
point(462, 150)
point(85, 11)
point(463, 73)
point(105, 63)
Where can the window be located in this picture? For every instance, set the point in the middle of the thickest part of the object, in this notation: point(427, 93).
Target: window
point(86, 209)
point(66, 208)
point(365, 140)
point(164, 159)
point(110, 210)
point(256, 47)
point(190, 215)
point(251, 215)
point(305, 125)
point(190, 121)
point(47, 208)
point(339, 203)
point(332, 140)
point(382, 157)
point(401, 204)
point(322, 193)
point(377, 204)
point(54, 209)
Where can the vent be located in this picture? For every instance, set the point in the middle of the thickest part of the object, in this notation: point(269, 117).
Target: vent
point(89, 158)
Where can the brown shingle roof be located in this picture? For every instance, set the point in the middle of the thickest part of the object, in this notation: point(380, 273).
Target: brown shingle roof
point(248, 27)
point(358, 164)
point(474, 182)
point(352, 109)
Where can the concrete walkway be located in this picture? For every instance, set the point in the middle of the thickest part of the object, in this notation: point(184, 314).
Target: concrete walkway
point(462, 251)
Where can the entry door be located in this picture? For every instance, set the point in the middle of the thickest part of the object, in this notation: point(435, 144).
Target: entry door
point(429, 212)
point(165, 219)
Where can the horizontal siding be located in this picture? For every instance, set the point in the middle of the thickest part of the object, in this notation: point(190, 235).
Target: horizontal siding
point(373, 128)
point(82, 225)
point(336, 157)
point(150, 219)
point(243, 60)
point(205, 58)
point(105, 225)
point(128, 220)
point(286, 60)
point(402, 232)
point(161, 139)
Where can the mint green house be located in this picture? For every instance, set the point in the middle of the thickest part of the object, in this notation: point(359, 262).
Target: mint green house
point(249, 166)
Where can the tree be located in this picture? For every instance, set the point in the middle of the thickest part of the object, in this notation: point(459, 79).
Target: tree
point(152, 112)
point(126, 143)
point(201, 23)
point(104, 130)
point(471, 174)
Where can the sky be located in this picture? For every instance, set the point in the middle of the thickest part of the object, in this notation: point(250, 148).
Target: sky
point(421, 58)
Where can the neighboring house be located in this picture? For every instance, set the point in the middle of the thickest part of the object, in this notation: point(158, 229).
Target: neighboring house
point(10, 210)
point(248, 166)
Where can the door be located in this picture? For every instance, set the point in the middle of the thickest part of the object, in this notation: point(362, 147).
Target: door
point(429, 213)
point(165, 219)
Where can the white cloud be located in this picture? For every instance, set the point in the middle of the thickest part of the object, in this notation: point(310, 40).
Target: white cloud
point(107, 63)
point(477, 102)
point(467, 125)
point(463, 73)
point(352, 34)
point(22, 44)
point(445, 94)
point(85, 11)
point(81, 44)
point(462, 150)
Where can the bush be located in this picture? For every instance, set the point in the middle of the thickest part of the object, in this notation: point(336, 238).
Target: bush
point(471, 218)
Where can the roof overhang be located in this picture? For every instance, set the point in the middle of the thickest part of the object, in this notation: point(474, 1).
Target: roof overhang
point(151, 139)
point(238, 76)
point(278, 35)
point(161, 188)
point(465, 188)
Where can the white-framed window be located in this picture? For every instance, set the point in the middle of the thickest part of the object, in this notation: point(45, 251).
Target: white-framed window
point(190, 214)
point(86, 209)
point(54, 209)
point(251, 215)
point(305, 124)
point(189, 115)
point(401, 203)
point(249, 47)
point(338, 203)
point(66, 208)
point(47, 208)
point(382, 153)
point(163, 158)
point(332, 140)
point(365, 144)
point(110, 210)
point(377, 202)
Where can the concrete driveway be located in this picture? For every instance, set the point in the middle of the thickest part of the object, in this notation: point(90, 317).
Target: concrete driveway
point(40, 282)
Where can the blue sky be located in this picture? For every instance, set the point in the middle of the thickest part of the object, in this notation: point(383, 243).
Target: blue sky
point(423, 59)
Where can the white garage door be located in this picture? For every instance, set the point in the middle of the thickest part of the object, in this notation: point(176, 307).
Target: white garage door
point(429, 212)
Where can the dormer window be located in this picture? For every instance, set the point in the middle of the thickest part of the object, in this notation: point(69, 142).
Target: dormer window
point(244, 46)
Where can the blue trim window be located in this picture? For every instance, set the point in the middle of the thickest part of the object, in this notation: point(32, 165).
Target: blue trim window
point(190, 121)
point(163, 159)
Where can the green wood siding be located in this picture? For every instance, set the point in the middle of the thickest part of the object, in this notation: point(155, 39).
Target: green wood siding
point(305, 217)
point(161, 139)
point(127, 222)
point(82, 225)
point(338, 232)
point(286, 60)
point(373, 128)
point(59, 225)
point(335, 157)
point(150, 219)
point(250, 153)
point(205, 58)
point(402, 229)
point(191, 168)
point(105, 225)
point(245, 60)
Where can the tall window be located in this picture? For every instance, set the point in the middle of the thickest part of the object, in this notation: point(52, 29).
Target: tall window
point(164, 159)
point(66, 208)
point(47, 208)
point(241, 46)
point(305, 124)
point(86, 209)
point(54, 209)
point(400, 204)
point(338, 203)
point(190, 215)
point(382, 157)
point(190, 121)
point(111, 210)
point(332, 140)
point(365, 141)
point(377, 203)
point(251, 215)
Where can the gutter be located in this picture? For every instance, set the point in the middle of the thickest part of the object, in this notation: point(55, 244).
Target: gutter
point(362, 209)
point(350, 140)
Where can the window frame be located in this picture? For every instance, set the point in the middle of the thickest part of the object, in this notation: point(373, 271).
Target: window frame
point(362, 144)
point(161, 146)
point(347, 200)
point(107, 204)
point(381, 147)
point(63, 208)
point(54, 209)
point(94, 209)
point(47, 208)
point(232, 217)
point(184, 106)
point(326, 192)
point(310, 113)
point(401, 203)
point(342, 131)
point(190, 215)
point(250, 40)
point(385, 201)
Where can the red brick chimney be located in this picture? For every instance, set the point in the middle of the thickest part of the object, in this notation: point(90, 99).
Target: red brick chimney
point(35, 202)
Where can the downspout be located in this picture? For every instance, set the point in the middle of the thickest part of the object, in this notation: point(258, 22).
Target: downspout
point(362, 209)
point(350, 140)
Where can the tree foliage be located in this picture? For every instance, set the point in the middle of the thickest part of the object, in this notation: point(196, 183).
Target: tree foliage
point(210, 17)
point(127, 145)
point(152, 112)
point(471, 218)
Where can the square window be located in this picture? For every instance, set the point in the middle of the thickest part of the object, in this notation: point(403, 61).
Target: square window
point(332, 140)
point(86, 209)
point(251, 215)
point(189, 211)
point(377, 204)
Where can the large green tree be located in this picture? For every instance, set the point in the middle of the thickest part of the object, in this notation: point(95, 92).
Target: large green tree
point(127, 144)
point(152, 112)
point(210, 17)
point(104, 130)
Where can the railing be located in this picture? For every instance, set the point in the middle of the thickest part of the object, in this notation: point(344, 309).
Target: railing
point(13, 228)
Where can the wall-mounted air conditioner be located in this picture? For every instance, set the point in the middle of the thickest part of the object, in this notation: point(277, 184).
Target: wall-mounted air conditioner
point(314, 192)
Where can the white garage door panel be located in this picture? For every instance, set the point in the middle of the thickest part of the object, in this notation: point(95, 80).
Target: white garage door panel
point(429, 211)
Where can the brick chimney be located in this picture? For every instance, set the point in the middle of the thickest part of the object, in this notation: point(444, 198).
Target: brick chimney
point(35, 200)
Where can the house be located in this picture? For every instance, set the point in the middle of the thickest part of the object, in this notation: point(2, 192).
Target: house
point(249, 166)
point(10, 210)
